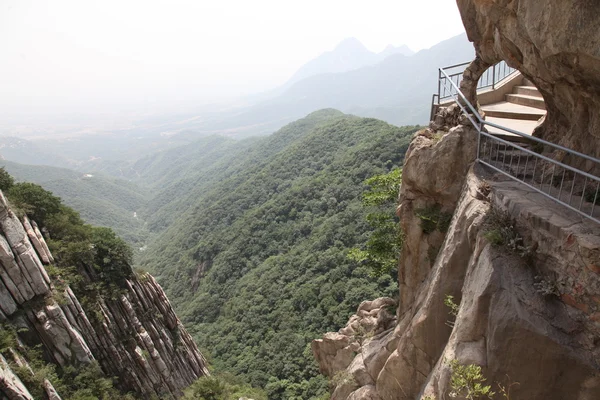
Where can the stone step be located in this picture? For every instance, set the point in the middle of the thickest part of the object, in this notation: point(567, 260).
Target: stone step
point(524, 126)
point(527, 91)
point(529, 101)
point(510, 110)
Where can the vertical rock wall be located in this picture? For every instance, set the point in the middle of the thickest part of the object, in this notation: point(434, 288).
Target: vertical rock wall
point(546, 345)
point(136, 337)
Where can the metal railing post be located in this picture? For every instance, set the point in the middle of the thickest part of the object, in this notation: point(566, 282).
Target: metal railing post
point(439, 84)
point(494, 77)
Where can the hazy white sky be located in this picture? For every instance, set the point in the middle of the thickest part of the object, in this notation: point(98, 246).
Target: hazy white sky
point(58, 55)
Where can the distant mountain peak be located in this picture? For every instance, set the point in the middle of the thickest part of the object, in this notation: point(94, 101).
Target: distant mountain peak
point(351, 43)
point(391, 50)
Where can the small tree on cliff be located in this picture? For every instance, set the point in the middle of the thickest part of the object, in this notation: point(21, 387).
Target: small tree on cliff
point(35, 201)
point(6, 181)
point(383, 247)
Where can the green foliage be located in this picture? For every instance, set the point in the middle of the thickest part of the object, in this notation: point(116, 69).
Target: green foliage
point(206, 388)
point(76, 246)
point(36, 371)
point(384, 189)
point(8, 338)
point(256, 263)
point(35, 201)
point(385, 242)
point(449, 302)
point(221, 387)
point(468, 381)
point(112, 256)
point(342, 377)
point(433, 218)
point(6, 180)
point(100, 200)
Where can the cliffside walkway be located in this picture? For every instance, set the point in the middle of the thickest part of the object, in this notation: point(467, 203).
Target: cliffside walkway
point(512, 108)
point(521, 110)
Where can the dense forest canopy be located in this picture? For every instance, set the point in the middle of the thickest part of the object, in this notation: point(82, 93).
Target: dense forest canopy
point(258, 266)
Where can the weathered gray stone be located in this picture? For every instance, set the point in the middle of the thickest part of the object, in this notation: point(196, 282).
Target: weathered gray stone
point(42, 241)
point(15, 279)
point(10, 384)
point(7, 304)
point(50, 391)
point(365, 393)
point(40, 248)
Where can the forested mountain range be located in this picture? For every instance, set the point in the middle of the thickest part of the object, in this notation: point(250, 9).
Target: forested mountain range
point(250, 238)
point(257, 265)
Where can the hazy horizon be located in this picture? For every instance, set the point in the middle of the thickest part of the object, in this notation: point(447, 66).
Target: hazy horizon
point(82, 57)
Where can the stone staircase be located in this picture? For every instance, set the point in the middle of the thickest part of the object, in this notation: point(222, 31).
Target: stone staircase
point(521, 110)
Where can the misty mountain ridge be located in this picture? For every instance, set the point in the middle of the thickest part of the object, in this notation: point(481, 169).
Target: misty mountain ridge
point(397, 90)
point(348, 55)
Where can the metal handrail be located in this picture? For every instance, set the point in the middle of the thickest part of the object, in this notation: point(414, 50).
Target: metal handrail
point(515, 132)
point(553, 191)
point(490, 78)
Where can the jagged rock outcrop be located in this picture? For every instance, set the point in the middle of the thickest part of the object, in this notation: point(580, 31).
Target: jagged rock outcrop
point(136, 337)
point(10, 384)
point(555, 44)
point(529, 312)
point(355, 354)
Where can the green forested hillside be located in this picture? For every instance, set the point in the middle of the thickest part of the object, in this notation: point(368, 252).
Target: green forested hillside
point(207, 162)
point(99, 199)
point(257, 267)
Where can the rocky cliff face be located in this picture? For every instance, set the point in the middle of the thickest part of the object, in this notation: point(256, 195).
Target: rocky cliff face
point(522, 271)
point(527, 304)
point(556, 45)
point(135, 336)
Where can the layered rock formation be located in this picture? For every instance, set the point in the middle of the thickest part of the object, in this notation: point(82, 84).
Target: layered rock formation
point(556, 45)
point(527, 309)
point(136, 337)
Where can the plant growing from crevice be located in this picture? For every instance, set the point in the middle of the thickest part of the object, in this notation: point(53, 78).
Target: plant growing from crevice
point(342, 377)
point(433, 218)
point(504, 389)
point(453, 309)
point(546, 287)
point(468, 381)
point(500, 230)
